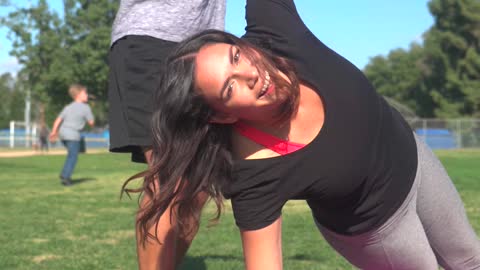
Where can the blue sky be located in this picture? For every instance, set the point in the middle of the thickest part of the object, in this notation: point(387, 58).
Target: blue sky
point(358, 30)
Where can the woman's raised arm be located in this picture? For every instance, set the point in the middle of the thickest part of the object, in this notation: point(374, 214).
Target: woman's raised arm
point(276, 19)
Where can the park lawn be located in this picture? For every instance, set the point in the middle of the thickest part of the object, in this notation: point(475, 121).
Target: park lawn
point(44, 225)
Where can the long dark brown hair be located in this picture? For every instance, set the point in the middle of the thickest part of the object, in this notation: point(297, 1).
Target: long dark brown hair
point(191, 155)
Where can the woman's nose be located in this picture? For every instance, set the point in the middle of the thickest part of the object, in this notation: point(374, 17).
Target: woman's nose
point(250, 76)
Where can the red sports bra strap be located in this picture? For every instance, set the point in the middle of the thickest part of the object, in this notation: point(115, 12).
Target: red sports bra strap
point(271, 142)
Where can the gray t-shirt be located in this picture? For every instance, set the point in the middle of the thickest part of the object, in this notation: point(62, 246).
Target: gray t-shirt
point(172, 20)
point(74, 116)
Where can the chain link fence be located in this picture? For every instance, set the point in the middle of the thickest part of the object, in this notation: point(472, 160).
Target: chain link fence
point(437, 133)
point(448, 133)
point(19, 137)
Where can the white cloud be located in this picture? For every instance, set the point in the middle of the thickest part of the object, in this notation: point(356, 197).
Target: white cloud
point(9, 64)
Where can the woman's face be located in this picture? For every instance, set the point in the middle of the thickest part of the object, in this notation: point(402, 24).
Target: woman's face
point(234, 86)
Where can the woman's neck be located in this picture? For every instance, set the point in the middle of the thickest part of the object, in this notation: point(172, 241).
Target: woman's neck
point(301, 128)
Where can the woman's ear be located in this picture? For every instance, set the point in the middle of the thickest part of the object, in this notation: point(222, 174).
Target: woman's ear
point(223, 118)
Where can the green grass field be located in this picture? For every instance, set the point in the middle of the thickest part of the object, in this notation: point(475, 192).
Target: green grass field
point(44, 225)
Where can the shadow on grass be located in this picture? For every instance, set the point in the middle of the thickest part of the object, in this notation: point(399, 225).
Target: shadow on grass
point(82, 180)
point(306, 258)
point(198, 263)
point(193, 263)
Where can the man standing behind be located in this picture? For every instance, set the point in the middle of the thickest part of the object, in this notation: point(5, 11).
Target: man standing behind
point(68, 125)
point(143, 35)
point(43, 137)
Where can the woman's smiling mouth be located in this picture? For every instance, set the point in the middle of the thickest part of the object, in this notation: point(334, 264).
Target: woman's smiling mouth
point(266, 85)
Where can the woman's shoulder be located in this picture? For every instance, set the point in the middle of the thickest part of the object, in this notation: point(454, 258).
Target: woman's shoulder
point(246, 149)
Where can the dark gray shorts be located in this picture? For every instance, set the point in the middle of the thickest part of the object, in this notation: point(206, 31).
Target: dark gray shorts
point(136, 65)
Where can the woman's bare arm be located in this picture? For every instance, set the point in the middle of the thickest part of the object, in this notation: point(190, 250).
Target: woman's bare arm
point(263, 248)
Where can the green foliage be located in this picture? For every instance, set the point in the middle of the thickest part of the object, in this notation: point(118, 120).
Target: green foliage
point(453, 45)
point(399, 76)
point(5, 95)
point(12, 97)
point(57, 51)
point(441, 77)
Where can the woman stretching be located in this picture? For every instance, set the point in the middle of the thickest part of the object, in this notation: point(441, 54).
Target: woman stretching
point(276, 116)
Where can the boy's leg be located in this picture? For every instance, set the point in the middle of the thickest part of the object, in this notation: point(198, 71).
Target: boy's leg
point(73, 147)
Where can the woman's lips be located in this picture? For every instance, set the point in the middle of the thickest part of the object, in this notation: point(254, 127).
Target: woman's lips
point(270, 89)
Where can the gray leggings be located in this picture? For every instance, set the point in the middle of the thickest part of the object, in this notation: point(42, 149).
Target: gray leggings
point(430, 228)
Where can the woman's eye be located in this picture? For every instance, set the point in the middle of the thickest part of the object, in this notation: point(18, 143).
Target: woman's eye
point(228, 94)
point(236, 57)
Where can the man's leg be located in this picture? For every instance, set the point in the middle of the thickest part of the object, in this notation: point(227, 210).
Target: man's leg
point(168, 252)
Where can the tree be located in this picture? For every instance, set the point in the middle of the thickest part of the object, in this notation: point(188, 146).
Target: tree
point(37, 41)
point(6, 89)
point(441, 77)
point(399, 76)
point(88, 27)
point(55, 52)
point(453, 55)
point(12, 106)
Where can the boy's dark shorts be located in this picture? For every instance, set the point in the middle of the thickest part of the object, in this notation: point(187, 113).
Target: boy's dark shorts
point(136, 65)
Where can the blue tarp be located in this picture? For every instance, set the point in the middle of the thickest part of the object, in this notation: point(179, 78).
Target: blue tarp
point(438, 138)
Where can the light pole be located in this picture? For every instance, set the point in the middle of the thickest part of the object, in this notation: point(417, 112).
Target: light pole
point(28, 105)
point(27, 118)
